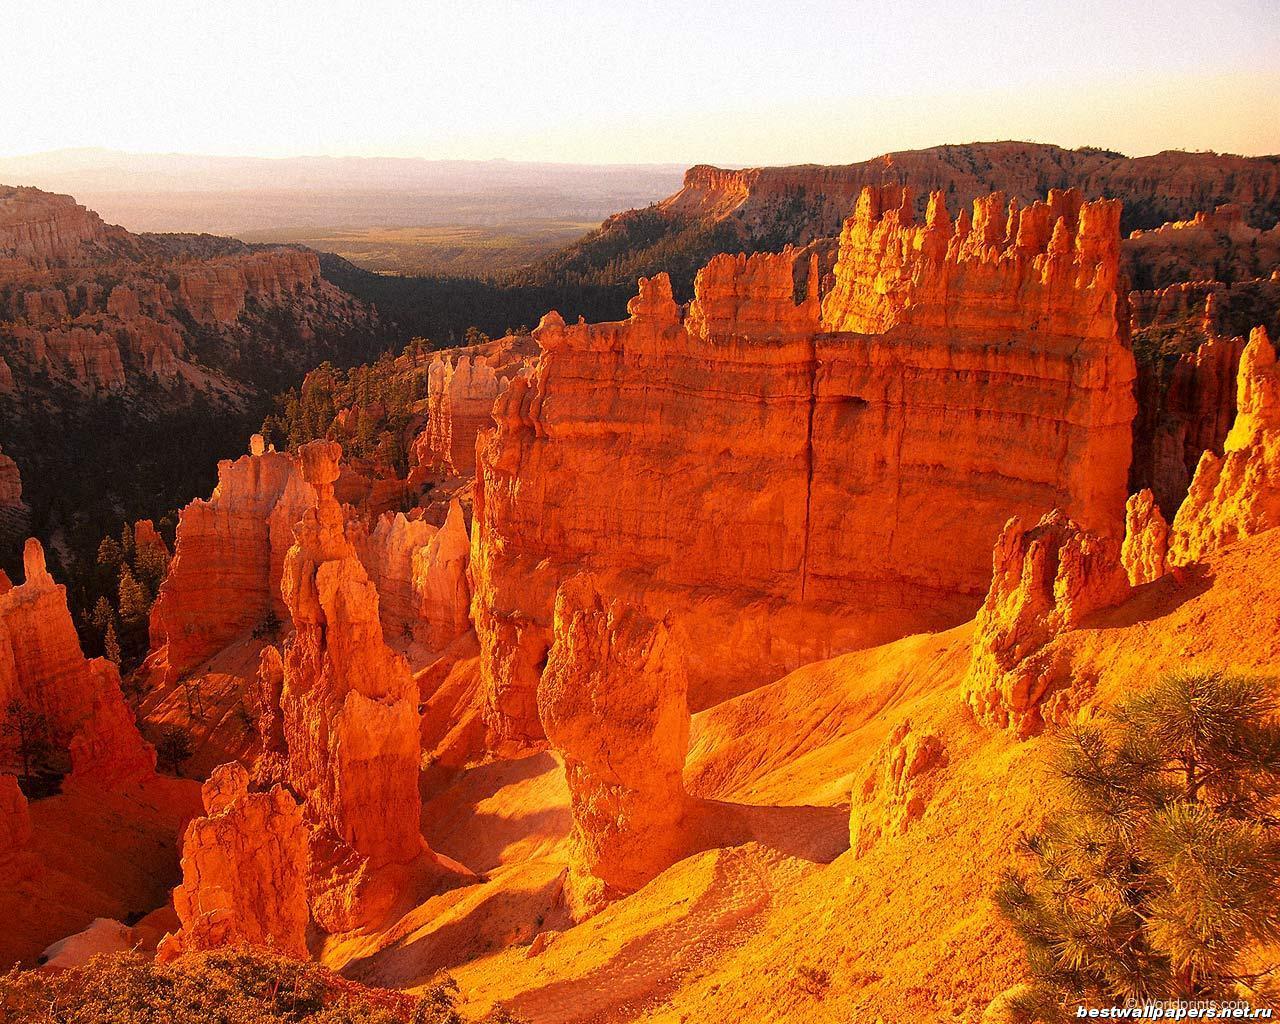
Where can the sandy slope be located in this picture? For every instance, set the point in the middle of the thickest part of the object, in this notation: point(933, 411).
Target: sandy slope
point(778, 920)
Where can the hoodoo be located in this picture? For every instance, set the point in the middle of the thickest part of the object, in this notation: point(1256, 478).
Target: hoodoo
point(612, 702)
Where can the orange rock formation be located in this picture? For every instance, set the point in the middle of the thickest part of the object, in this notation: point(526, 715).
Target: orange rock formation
point(229, 557)
point(832, 489)
point(1046, 581)
point(1146, 539)
point(1237, 494)
point(43, 668)
point(15, 819)
point(244, 871)
point(350, 721)
point(613, 704)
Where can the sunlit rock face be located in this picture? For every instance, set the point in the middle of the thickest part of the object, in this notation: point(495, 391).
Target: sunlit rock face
point(224, 580)
point(244, 871)
point(1237, 494)
point(43, 669)
point(792, 478)
point(1046, 580)
point(613, 703)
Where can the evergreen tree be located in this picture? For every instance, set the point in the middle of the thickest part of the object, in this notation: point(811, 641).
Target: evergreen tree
point(111, 645)
point(151, 563)
point(27, 734)
point(1164, 868)
point(134, 603)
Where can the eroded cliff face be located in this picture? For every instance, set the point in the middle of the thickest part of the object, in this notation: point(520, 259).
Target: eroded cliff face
point(1237, 494)
point(461, 388)
point(1214, 245)
point(350, 722)
point(224, 580)
point(832, 489)
point(1047, 580)
point(613, 704)
point(43, 669)
point(93, 306)
point(244, 871)
point(1188, 339)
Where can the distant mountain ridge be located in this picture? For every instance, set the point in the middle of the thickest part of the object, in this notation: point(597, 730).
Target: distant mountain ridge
point(719, 209)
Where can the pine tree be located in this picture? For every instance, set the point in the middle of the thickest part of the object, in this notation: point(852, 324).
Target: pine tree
point(151, 563)
point(1164, 867)
point(111, 645)
point(134, 603)
point(27, 734)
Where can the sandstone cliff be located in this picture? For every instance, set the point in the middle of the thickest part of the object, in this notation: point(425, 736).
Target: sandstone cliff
point(43, 669)
point(1046, 581)
point(244, 871)
point(832, 489)
point(612, 702)
point(224, 580)
point(1237, 494)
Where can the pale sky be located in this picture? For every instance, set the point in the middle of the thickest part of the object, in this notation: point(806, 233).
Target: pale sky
point(639, 81)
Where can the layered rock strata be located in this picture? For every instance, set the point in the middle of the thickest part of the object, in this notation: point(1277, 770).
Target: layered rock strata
point(834, 488)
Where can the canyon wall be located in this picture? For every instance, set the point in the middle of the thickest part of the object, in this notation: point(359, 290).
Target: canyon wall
point(224, 580)
point(93, 306)
point(1167, 186)
point(43, 669)
point(832, 488)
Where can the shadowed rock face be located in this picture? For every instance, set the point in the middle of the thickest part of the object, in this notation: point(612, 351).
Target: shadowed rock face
point(43, 668)
point(787, 484)
point(613, 704)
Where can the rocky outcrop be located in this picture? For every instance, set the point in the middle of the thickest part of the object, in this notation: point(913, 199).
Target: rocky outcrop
point(787, 487)
point(216, 292)
point(15, 819)
point(461, 387)
point(387, 552)
point(1216, 245)
point(350, 721)
point(224, 580)
point(612, 702)
point(441, 587)
point(10, 482)
point(1046, 581)
point(896, 786)
point(1237, 494)
point(43, 669)
point(1146, 539)
point(93, 306)
point(244, 871)
point(43, 230)
point(1168, 186)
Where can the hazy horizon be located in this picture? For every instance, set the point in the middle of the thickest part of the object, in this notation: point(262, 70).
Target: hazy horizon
point(566, 81)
